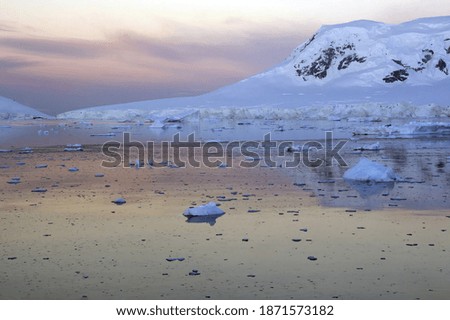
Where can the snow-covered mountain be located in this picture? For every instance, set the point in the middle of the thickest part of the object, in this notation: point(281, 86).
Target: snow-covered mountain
point(366, 53)
point(361, 68)
point(11, 110)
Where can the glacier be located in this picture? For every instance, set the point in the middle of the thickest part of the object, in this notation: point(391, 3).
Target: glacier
point(12, 110)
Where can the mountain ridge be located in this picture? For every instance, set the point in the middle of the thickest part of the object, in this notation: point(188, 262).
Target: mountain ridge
point(356, 63)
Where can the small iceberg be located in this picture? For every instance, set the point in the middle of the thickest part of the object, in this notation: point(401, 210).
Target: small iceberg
point(73, 147)
point(14, 180)
point(209, 209)
point(207, 213)
point(119, 201)
point(109, 134)
point(370, 147)
point(26, 150)
point(367, 170)
point(157, 124)
point(175, 259)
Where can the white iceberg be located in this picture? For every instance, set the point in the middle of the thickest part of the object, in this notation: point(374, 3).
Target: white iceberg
point(367, 170)
point(370, 147)
point(73, 147)
point(209, 209)
point(158, 123)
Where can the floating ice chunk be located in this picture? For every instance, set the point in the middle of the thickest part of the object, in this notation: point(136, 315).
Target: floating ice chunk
point(157, 124)
point(109, 134)
point(26, 150)
point(73, 147)
point(367, 170)
point(209, 209)
point(14, 180)
point(175, 259)
point(119, 201)
point(194, 272)
point(121, 128)
point(370, 147)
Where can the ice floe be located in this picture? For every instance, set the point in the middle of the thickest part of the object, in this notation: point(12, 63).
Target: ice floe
point(119, 201)
point(370, 147)
point(14, 180)
point(26, 150)
point(209, 209)
point(73, 147)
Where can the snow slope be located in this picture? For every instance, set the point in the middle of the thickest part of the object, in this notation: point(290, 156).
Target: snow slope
point(357, 69)
point(11, 110)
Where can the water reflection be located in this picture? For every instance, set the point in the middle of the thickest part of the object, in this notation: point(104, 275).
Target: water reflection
point(422, 165)
point(210, 219)
point(370, 189)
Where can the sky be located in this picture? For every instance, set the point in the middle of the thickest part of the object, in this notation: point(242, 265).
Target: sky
point(59, 55)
